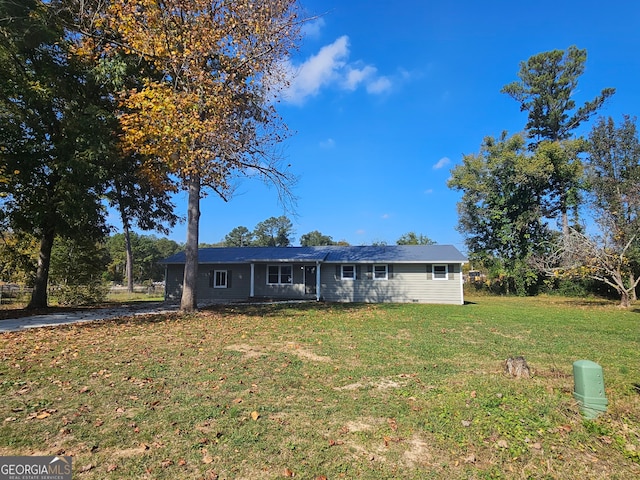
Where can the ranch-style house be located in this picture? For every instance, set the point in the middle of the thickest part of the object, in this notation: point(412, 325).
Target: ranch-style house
point(389, 273)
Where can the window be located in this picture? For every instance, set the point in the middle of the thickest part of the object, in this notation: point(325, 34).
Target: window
point(440, 272)
point(218, 279)
point(348, 272)
point(279, 274)
point(380, 272)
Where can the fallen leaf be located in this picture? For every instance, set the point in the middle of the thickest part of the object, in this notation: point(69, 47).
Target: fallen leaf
point(182, 462)
point(166, 463)
point(466, 423)
point(255, 415)
point(86, 468)
point(42, 415)
point(207, 459)
point(112, 467)
point(289, 473)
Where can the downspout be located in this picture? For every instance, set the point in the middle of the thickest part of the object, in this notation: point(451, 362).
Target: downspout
point(253, 278)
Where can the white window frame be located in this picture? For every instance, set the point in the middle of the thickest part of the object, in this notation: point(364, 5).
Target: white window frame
point(342, 275)
point(386, 272)
point(446, 271)
point(281, 275)
point(225, 274)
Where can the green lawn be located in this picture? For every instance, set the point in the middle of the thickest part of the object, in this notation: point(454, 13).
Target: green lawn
point(335, 391)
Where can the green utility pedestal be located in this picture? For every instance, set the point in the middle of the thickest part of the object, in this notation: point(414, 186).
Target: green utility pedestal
point(589, 388)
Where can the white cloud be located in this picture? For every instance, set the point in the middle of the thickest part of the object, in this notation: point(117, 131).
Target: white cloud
point(443, 162)
point(428, 191)
point(379, 85)
point(355, 76)
point(331, 66)
point(385, 216)
point(312, 28)
point(317, 71)
point(328, 143)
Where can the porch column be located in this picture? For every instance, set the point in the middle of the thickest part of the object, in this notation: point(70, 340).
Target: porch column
point(253, 277)
point(317, 281)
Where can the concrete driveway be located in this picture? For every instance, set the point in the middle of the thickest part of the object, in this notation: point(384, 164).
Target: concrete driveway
point(79, 316)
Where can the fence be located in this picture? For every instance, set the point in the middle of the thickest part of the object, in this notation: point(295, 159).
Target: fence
point(11, 293)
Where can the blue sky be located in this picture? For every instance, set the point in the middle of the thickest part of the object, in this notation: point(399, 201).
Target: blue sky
point(388, 97)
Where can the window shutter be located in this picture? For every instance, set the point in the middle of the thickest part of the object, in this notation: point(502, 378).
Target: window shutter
point(338, 272)
point(450, 271)
point(212, 278)
point(429, 271)
point(358, 272)
point(228, 278)
point(390, 271)
point(369, 272)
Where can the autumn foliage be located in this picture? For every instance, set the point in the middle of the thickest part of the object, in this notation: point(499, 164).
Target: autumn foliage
point(206, 111)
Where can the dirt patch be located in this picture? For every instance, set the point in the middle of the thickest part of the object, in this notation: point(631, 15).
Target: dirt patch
point(305, 354)
point(418, 453)
point(380, 384)
point(249, 351)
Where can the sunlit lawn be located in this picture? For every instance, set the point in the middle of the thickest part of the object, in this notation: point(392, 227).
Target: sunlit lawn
point(335, 391)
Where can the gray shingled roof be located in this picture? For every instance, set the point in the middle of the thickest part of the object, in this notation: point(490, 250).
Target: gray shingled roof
point(328, 254)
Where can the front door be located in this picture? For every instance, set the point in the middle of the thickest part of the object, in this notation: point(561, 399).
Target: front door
point(310, 280)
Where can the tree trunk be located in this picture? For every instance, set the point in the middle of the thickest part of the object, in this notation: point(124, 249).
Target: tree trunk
point(624, 298)
point(129, 265)
point(189, 300)
point(632, 281)
point(39, 294)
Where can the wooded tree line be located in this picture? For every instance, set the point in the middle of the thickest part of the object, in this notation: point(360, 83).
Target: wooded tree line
point(549, 203)
point(131, 101)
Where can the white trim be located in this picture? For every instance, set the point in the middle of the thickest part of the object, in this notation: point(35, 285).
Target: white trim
point(318, 283)
point(342, 267)
point(446, 271)
point(252, 288)
point(280, 274)
point(386, 271)
point(215, 279)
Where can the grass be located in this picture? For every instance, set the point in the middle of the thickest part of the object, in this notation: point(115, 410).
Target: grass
point(328, 391)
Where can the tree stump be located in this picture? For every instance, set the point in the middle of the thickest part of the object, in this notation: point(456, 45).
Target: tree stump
point(517, 367)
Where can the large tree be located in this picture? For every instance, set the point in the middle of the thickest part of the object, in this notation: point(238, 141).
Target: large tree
point(613, 168)
point(273, 232)
point(211, 116)
point(546, 91)
point(239, 237)
point(411, 238)
point(500, 211)
point(55, 132)
point(315, 238)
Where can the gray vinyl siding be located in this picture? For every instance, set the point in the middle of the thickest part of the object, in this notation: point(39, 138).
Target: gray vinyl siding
point(294, 290)
point(408, 283)
point(238, 281)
